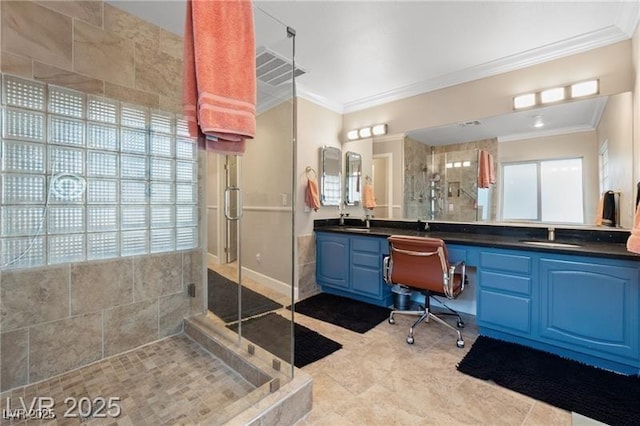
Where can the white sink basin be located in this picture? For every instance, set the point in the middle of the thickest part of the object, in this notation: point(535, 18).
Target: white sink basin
point(357, 229)
point(552, 244)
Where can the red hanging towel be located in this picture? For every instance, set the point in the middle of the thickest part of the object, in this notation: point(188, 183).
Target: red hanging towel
point(219, 89)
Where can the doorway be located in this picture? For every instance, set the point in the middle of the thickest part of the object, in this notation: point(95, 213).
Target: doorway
point(382, 185)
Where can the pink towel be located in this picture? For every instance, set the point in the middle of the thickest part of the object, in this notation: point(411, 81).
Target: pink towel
point(312, 198)
point(486, 170)
point(368, 197)
point(633, 243)
point(219, 89)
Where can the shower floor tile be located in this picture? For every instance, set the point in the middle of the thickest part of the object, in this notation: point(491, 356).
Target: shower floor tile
point(172, 381)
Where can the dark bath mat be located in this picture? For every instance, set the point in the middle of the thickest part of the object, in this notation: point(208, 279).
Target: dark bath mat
point(341, 311)
point(272, 332)
point(593, 392)
point(223, 299)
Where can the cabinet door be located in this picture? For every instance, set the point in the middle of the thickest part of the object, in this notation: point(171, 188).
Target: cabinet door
point(591, 305)
point(366, 266)
point(332, 266)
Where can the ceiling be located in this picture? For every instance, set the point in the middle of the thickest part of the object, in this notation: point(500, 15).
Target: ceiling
point(357, 54)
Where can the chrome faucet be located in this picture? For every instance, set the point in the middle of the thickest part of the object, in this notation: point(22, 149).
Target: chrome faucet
point(366, 221)
point(552, 233)
point(342, 216)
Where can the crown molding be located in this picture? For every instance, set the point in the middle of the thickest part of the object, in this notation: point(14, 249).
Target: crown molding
point(545, 133)
point(304, 93)
point(571, 46)
point(389, 138)
point(601, 103)
point(628, 17)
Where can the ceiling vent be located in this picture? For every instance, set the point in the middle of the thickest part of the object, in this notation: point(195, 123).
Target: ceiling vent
point(274, 69)
point(469, 123)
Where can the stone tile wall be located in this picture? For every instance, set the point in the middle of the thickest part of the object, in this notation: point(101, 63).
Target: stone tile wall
point(93, 47)
point(307, 285)
point(54, 319)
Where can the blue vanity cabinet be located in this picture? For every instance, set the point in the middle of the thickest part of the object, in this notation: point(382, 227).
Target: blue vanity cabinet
point(332, 260)
point(366, 270)
point(505, 291)
point(351, 266)
point(591, 304)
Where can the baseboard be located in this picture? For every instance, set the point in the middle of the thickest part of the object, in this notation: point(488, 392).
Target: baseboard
point(212, 258)
point(273, 284)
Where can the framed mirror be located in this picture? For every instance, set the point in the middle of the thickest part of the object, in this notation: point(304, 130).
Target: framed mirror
point(353, 179)
point(330, 176)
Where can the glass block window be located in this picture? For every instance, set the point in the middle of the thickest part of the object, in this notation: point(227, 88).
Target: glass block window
point(84, 177)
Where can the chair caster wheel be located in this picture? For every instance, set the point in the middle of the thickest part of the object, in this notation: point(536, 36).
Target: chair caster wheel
point(460, 343)
point(460, 324)
point(410, 340)
point(391, 321)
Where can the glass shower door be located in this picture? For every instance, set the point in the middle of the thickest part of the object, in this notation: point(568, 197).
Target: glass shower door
point(256, 216)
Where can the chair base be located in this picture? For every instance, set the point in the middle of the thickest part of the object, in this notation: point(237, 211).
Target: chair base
point(424, 316)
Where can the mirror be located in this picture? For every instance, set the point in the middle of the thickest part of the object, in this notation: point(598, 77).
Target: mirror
point(353, 178)
point(330, 176)
point(441, 165)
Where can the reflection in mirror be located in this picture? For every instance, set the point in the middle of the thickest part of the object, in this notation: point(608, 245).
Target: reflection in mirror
point(353, 175)
point(331, 176)
point(441, 165)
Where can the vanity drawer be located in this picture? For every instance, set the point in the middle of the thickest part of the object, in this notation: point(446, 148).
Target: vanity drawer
point(506, 262)
point(505, 282)
point(371, 260)
point(366, 244)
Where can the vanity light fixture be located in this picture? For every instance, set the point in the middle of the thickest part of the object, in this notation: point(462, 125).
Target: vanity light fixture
point(352, 135)
point(552, 95)
point(379, 129)
point(586, 88)
point(367, 132)
point(557, 94)
point(524, 101)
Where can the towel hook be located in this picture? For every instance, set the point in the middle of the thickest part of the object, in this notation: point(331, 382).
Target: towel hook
point(310, 169)
point(367, 179)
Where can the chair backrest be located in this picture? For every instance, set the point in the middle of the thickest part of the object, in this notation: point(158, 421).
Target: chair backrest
point(418, 262)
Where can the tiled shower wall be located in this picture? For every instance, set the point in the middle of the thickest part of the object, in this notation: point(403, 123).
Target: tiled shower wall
point(53, 319)
point(307, 285)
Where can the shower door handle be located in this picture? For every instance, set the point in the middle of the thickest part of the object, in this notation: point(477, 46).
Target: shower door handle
point(227, 203)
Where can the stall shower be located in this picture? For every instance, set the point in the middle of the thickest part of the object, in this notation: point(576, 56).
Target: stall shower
point(441, 182)
point(103, 225)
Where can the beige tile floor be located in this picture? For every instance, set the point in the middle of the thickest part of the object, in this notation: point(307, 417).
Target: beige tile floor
point(378, 379)
point(173, 381)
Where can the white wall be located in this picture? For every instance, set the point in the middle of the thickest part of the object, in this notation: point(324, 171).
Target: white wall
point(616, 129)
point(317, 127)
point(635, 52)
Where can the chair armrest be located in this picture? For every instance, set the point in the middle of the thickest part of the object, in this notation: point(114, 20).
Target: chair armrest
point(461, 268)
point(386, 269)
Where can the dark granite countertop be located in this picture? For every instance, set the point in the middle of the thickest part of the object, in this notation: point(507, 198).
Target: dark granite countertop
point(588, 242)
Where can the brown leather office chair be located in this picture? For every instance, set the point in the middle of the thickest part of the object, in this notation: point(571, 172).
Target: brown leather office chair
point(422, 264)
